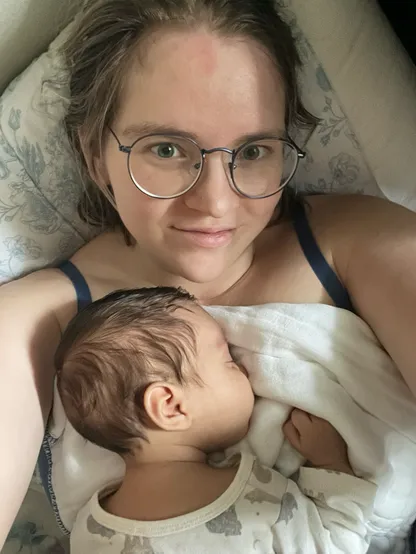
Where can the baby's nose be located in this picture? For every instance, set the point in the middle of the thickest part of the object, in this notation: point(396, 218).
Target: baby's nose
point(243, 370)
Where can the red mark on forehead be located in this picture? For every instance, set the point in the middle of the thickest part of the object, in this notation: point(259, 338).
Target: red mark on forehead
point(203, 48)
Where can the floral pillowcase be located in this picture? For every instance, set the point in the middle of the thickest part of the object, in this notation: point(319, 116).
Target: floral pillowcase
point(39, 182)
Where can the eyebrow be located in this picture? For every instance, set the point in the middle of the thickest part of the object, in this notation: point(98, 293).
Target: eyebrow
point(148, 128)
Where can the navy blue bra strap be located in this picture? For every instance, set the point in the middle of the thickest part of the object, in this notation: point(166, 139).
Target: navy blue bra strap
point(317, 261)
point(80, 284)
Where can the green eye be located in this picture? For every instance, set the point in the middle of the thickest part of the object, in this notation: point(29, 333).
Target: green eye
point(251, 153)
point(165, 150)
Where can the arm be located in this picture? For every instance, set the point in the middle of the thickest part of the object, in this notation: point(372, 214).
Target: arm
point(381, 276)
point(29, 334)
point(329, 511)
point(372, 246)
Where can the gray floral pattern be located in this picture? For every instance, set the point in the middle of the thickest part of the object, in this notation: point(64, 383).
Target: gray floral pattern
point(260, 496)
point(262, 474)
point(28, 537)
point(226, 524)
point(137, 545)
point(39, 180)
point(334, 134)
point(35, 530)
point(96, 528)
point(288, 509)
point(344, 174)
point(317, 496)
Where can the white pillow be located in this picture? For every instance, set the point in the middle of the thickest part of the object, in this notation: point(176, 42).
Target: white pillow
point(27, 27)
point(335, 161)
point(375, 82)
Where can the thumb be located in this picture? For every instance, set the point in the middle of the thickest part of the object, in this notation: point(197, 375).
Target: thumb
point(292, 434)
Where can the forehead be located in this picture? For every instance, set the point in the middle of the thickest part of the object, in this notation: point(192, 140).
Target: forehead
point(207, 331)
point(217, 88)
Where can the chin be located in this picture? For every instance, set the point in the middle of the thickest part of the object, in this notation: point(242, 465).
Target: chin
point(202, 270)
point(200, 277)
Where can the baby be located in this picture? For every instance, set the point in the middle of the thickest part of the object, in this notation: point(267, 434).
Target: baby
point(148, 374)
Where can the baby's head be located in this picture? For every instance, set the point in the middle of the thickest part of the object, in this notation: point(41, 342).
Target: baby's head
point(150, 366)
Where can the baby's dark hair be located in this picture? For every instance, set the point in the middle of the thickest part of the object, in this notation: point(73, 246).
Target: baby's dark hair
point(112, 351)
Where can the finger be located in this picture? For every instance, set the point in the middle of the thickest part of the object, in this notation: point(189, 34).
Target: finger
point(323, 423)
point(316, 419)
point(300, 418)
point(291, 434)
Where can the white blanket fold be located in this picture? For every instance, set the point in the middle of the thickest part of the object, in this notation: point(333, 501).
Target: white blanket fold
point(328, 362)
point(318, 358)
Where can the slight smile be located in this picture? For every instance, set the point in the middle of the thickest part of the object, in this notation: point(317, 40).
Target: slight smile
point(210, 237)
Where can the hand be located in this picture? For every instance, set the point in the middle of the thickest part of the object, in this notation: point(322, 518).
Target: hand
point(318, 441)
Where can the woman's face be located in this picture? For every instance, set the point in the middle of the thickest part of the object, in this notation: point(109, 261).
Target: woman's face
point(218, 90)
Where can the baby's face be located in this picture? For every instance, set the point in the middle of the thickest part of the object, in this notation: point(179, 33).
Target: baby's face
point(223, 404)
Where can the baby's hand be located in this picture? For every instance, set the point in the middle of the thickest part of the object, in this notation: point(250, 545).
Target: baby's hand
point(318, 441)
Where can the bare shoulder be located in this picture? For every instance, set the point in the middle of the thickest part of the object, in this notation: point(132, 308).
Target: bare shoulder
point(373, 244)
point(350, 231)
point(108, 263)
point(355, 212)
point(354, 226)
point(41, 294)
point(49, 286)
point(105, 263)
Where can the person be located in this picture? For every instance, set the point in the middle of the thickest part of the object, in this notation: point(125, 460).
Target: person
point(180, 114)
point(148, 374)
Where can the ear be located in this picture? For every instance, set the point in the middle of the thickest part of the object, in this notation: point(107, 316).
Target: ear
point(95, 164)
point(166, 406)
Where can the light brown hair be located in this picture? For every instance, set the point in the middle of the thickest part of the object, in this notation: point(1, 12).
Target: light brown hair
point(100, 50)
point(112, 351)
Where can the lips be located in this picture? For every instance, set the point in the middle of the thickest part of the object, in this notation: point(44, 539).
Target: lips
point(211, 237)
point(205, 230)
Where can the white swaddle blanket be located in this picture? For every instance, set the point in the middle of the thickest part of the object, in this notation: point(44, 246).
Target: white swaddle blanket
point(328, 362)
point(321, 359)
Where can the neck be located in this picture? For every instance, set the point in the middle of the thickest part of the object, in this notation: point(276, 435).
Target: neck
point(207, 293)
point(165, 482)
point(151, 455)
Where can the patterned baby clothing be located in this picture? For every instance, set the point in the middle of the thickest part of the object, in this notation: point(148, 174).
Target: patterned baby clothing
point(260, 512)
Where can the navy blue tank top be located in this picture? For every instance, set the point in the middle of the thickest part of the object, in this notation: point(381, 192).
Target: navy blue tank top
point(311, 250)
point(317, 261)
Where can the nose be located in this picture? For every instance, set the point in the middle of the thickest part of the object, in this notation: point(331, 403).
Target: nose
point(243, 370)
point(213, 194)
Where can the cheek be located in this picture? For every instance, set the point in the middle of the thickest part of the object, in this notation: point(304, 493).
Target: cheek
point(261, 210)
point(137, 210)
point(247, 394)
point(133, 204)
point(242, 392)
point(144, 217)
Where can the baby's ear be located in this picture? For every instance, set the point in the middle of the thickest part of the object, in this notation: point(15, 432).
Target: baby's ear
point(166, 406)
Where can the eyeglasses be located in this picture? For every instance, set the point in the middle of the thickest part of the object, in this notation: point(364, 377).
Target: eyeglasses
point(168, 166)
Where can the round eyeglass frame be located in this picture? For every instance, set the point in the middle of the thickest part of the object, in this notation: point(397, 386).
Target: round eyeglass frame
point(300, 154)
